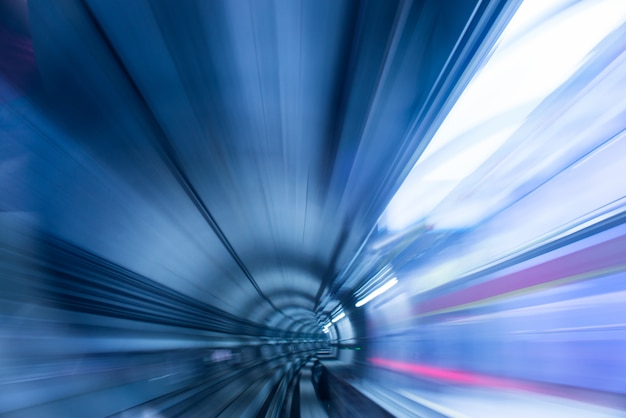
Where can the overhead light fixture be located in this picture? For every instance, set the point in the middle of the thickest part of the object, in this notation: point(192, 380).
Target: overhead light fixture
point(338, 317)
point(391, 283)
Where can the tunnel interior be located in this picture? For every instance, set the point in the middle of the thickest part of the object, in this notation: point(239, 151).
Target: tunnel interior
point(313, 208)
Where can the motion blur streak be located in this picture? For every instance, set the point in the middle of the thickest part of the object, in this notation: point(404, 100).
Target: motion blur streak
point(595, 261)
point(452, 376)
point(309, 208)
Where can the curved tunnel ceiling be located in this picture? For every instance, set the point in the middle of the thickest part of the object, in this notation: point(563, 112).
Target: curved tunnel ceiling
point(235, 152)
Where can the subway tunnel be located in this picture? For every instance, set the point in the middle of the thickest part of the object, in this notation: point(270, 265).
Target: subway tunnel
point(341, 208)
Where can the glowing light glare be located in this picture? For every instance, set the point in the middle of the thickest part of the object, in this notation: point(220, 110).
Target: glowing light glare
point(541, 48)
point(524, 69)
point(391, 283)
point(338, 317)
point(462, 165)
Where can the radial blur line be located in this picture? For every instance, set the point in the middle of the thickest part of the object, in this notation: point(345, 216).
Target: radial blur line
point(87, 278)
point(170, 157)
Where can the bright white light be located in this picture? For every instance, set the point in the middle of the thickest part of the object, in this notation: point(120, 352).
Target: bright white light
point(338, 317)
point(543, 46)
point(462, 165)
point(377, 292)
point(524, 69)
